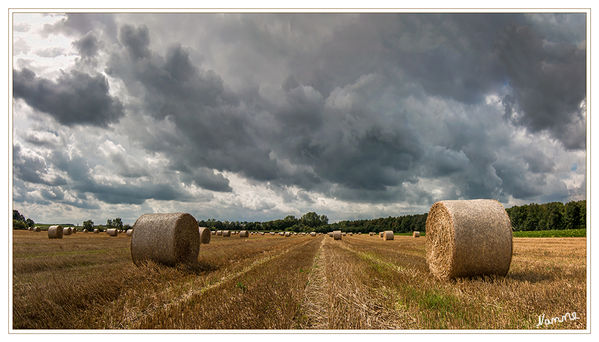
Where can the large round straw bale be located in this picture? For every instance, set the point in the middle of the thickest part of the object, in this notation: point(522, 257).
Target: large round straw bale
point(96, 230)
point(112, 232)
point(337, 235)
point(243, 234)
point(66, 231)
point(226, 233)
point(204, 235)
point(287, 234)
point(85, 230)
point(272, 233)
point(29, 229)
point(468, 238)
point(416, 234)
point(313, 234)
point(282, 233)
point(261, 233)
point(55, 232)
point(388, 235)
point(381, 234)
point(129, 232)
point(371, 233)
point(73, 230)
point(219, 232)
point(213, 232)
point(37, 229)
point(166, 238)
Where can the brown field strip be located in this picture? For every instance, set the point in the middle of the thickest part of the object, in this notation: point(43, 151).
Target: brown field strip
point(87, 281)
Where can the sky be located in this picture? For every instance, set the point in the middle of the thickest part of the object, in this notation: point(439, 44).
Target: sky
point(253, 117)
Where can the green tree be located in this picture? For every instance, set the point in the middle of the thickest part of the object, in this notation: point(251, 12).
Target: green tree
point(30, 222)
point(88, 225)
point(572, 215)
point(117, 223)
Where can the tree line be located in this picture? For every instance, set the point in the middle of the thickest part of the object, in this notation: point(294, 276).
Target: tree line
point(554, 215)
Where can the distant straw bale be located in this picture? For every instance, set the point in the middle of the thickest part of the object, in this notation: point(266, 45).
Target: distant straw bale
point(96, 230)
point(112, 232)
point(388, 235)
point(226, 233)
point(205, 235)
point(313, 234)
point(243, 234)
point(129, 232)
point(337, 235)
point(416, 234)
point(55, 232)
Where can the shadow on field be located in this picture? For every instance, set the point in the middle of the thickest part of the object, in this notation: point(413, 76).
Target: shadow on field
point(530, 276)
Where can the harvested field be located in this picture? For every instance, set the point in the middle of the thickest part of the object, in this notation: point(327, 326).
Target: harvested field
point(88, 281)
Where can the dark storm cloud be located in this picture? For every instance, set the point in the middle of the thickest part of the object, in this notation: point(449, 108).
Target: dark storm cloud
point(548, 80)
point(81, 180)
point(33, 169)
point(340, 122)
point(74, 99)
point(87, 46)
point(373, 108)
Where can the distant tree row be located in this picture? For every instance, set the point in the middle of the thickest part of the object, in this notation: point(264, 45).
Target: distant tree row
point(308, 222)
point(554, 215)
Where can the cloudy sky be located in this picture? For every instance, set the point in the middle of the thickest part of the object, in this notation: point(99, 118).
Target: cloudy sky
point(259, 116)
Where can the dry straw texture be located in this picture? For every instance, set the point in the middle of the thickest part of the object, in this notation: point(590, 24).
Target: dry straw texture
point(337, 235)
point(96, 230)
point(416, 234)
point(468, 238)
point(205, 235)
point(166, 238)
point(243, 233)
point(55, 232)
point(226, 233)
point(112, 232)
point(129, 232)
point(388, 235)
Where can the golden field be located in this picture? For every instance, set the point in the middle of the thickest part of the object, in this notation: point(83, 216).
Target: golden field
point(87, 281)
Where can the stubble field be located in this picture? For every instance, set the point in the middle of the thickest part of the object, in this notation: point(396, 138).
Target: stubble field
point(87, 281)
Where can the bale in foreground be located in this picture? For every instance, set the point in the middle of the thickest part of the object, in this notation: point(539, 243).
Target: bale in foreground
point(205, 235)
point(468, 238)
point(55, 232)
point(166, 238)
